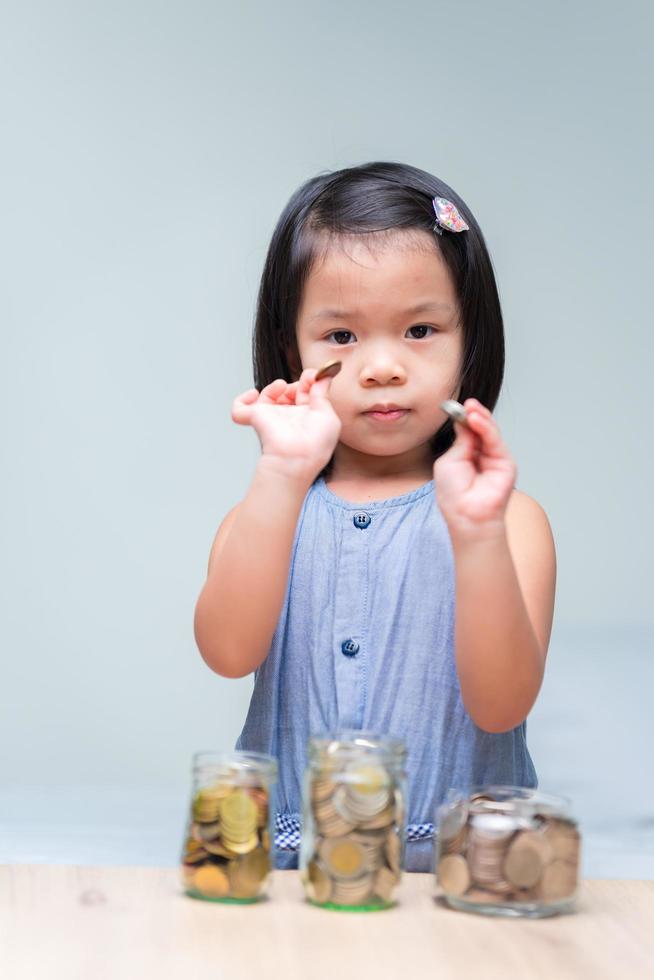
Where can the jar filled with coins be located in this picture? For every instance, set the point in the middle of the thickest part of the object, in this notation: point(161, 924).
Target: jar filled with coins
point(505, 850)
point(353, 814)
point(226, 856)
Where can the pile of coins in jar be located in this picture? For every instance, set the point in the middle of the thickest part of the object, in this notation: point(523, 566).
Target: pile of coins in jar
point(227, 849)
point(508, 855)
point(354, 851)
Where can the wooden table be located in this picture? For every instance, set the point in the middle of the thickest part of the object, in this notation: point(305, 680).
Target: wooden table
point(87, 923)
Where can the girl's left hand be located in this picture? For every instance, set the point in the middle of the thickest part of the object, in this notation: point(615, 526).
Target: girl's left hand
point(475, 477)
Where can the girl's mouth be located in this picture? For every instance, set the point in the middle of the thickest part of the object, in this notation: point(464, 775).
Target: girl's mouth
point(390, 416)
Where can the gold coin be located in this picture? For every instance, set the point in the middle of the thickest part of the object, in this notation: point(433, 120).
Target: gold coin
point(238, 811)
point(206, 812)
point(194, 852)
point(218, 848)
point(240, 847)
point(207, 802)
point(368, 779)
point(247, 874)
point(453, 874)
point(211, 881)
point(329, 370)
point(344, 858)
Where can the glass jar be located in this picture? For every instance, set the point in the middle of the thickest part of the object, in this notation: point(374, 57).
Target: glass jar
point(505, 850)
point(353, 812)
point(226, 856)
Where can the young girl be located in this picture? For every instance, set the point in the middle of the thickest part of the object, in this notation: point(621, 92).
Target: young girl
point(382, 572)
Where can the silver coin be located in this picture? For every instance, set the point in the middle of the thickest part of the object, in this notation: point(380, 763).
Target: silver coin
point(455, 410)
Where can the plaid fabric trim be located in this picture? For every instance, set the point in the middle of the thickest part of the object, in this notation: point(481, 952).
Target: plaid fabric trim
point(288, 832)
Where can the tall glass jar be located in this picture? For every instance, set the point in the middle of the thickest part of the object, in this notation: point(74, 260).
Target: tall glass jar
point(505, 850)
point(353, 814)
point(227, 855)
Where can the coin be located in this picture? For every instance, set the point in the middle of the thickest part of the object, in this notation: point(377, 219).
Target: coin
point(559, 881)
point(355, 842)
point(247, 874)
point(238, 812)
point(211, 881)
point(385, 882)
point(329, 370)
point(206, 831)
point(352, 892)
point(393, 850)
point(238, 847)
point(318, 882)
point(344, 858)
point(194, 852)
point(525, 859)
point(511, 856)
point(453, 874)
point(452, 830)
point(455, 410)
point(564, 840)
point(227, 850)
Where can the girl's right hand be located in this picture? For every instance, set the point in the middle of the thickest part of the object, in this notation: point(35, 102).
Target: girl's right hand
point(296, 423)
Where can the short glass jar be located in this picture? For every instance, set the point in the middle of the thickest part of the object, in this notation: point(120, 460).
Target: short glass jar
point(227, 856)
point(353, 814)
point(506, 850)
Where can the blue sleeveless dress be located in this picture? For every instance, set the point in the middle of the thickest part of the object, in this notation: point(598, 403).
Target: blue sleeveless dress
point(365, 640)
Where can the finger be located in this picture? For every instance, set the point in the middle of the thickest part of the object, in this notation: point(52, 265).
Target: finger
point(289, 396)
point(473, 404)
point(248, 396)
point(271, 392)
point(318, 394)
point(465, 445)
point(242, 407)
point(304, 386)
point(489, 433)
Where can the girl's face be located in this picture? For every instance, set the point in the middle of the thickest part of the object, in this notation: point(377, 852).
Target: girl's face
point(389, 311)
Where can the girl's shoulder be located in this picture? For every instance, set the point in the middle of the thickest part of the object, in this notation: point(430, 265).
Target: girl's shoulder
point(524, 512)
point(528, 529)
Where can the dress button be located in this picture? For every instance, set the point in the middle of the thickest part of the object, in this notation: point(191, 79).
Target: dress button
point(350, 647)
point(361, 519)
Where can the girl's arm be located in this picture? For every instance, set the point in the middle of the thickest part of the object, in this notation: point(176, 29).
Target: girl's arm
point(238, 608)
point(505, 575)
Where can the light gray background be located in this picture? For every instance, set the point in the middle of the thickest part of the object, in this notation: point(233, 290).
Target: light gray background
point(147, 150)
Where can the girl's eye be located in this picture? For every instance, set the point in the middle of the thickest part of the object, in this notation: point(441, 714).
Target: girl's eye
point(348, 333)
point(421, 326)
point(340, 333)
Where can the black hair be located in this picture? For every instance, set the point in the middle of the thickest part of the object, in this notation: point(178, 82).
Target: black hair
point(377, 197)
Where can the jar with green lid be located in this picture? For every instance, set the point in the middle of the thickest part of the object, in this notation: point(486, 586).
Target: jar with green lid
point(227, 855)
point(353, 814)
point(506, 850)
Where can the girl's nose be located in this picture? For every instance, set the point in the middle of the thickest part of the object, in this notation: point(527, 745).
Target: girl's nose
point(382, 371)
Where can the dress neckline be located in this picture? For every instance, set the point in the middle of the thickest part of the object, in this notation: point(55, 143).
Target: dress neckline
point(398, 501)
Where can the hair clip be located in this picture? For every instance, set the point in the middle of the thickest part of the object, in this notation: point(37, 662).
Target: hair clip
point(447, 216)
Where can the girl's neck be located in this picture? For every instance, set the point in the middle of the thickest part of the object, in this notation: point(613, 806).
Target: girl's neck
point(379, 481)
